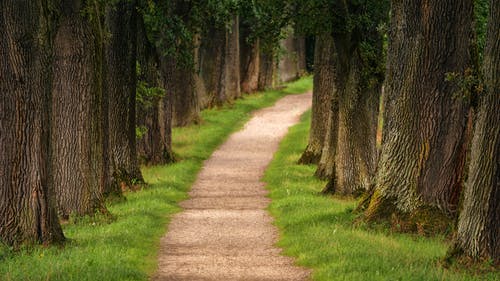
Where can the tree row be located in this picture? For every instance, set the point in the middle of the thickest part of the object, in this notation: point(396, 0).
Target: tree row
point(90, 89)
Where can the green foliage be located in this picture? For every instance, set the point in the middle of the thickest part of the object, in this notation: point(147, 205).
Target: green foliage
point(469, 83)
point(170, 26)
point(266, 20)
point(481, 9)
point(318, 230)
point(127, 247)
point(146, 95)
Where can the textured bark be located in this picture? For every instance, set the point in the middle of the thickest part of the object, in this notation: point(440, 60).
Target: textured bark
point(180, 86)
point(326, 166)
point(78, 138)
point(155, 146)
point(355, 160)
point(211, 65)
point(181, 79)
point(232, 61)
point(27, 202)
point(323, 88)
point(478, 227)
point(121, 57)
point(423, 149)
point(219, 64)
point(267, 71)
point(250, 62)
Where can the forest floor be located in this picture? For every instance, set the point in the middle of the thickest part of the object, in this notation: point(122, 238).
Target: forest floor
point(225, 231)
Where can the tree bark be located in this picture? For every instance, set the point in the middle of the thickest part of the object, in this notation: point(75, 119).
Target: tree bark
point(478, 226)
point(27, 200)
point(323, 88)
point(121, 57)
point(267, 71)
point(355, 160)
point(232, 61)
point(155, 146)
point(212, 64)
point(180, 86)
point(250, 61)
point(326, 166)
point(78, 138)
point(423, 152)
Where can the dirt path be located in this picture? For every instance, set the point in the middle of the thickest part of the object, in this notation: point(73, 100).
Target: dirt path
point(224, 232)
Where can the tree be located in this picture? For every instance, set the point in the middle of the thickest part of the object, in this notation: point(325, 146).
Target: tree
point(79, 110)
point(356, 75)
point(292, 62)
point(219, 62)
point(27, 202)
point(121, 80)
point(478, 228)
point(423, 149)
point(154, 116)
point(323, 90)
point(249, 60)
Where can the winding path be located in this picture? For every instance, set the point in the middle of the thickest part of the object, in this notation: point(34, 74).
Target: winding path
point(224, 232)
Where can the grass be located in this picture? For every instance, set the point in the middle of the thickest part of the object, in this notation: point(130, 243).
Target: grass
point(126, 249)
point(318, 229)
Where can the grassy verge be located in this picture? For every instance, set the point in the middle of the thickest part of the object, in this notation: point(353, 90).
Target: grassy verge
point(126, 249)
point(318, 229)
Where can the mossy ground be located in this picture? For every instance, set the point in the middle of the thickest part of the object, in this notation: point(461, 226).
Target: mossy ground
point(126, 247)
point(320, 231)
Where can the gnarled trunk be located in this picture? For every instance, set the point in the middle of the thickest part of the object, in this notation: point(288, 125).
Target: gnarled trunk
point(423, 150)
point(121, 56)
point(78, 137)
point(27, 202)
point(478, 226)
point(323, 89)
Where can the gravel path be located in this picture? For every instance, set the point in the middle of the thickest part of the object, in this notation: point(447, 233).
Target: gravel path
point(224, 232)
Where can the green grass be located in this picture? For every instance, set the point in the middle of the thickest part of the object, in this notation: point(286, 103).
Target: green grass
point(126, 249)
point(318, 229)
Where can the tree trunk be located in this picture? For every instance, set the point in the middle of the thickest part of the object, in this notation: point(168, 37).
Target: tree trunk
point(232, 61)
point(155, 146)
point(300, 45)
point(78, 139)
point(211, 65)
point(423, 152)
point(121, 56)
point(326, 166)
point(250, 62)
point(358, 110)
point(323, 88)
point(478, 226)
point(287, 66)
point(180, 84)
point(267, 71)
point(27, 202)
